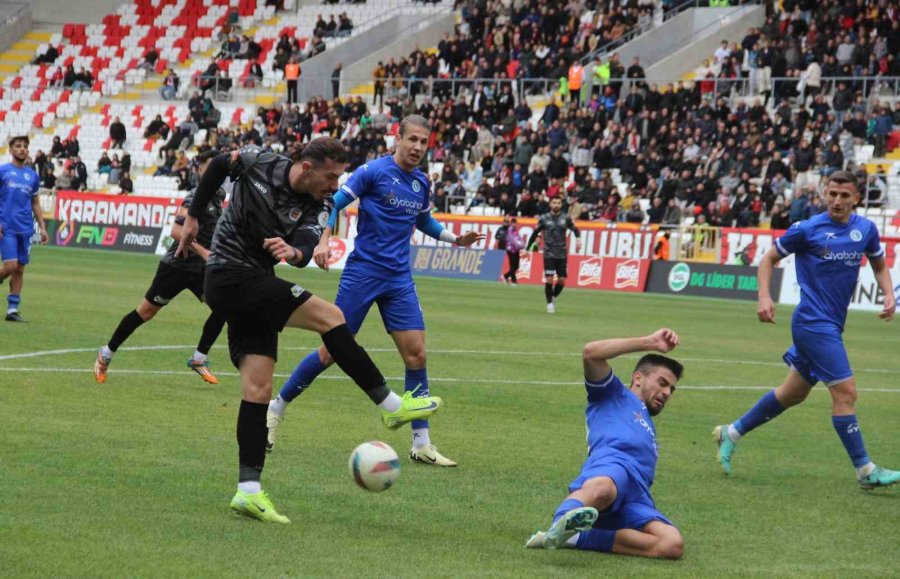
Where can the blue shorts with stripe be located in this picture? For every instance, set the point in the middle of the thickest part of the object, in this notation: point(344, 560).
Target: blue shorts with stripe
point(818, 354)
point(633, 508)
point(397, 301)
point(16, 247)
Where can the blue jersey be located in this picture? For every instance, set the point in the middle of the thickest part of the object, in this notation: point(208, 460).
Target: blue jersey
point(619, 429)
point(390, 202)
point(17, 189)
point(828, 255)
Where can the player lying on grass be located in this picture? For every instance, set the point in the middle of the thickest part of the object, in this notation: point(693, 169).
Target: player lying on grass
point(609, 508)
point(829, 249)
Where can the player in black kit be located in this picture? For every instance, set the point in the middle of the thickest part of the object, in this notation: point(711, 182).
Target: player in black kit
point(173, 276)
point(279, 208)
point(554, 226)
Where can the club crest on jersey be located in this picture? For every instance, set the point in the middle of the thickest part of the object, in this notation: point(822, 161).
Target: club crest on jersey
point(296, 290)
point(856, 235)
point(416, 187)
point(295, 213)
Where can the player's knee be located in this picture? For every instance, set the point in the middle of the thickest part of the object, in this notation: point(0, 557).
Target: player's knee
point(415, 358)
point(671, 548)
point(601, 492)
point(325, 357)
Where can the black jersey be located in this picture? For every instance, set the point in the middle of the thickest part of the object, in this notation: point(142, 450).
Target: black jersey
point(207, 221)
point(263, 205)
point(554, 228)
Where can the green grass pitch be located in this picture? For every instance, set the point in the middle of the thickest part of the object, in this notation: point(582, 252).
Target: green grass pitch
point(133, 478)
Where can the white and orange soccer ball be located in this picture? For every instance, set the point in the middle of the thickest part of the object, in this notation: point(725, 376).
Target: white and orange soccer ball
point(374, 465)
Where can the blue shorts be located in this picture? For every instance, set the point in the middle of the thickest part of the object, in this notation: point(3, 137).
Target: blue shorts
point(397, 301)
point(633, 508)
point(16, 247)
point(818, 354)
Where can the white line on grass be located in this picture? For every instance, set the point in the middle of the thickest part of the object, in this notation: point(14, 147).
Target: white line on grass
point(398, 378)
point(725, 361)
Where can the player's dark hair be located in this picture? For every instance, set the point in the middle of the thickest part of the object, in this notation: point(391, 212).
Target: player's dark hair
point(649, 362)
point(844, 178)
point(14, 140)
point(416, 121)
point(319, 150)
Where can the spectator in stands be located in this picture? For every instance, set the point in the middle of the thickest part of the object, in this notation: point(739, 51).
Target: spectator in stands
point(149, 62)
point(170, 85)
point(126, 185)
point(223, 86)
point(207, 80)
point(48, 57)
point(345, 27)
point(104, 165)
point(69, 77)
point(156, 128)
point(211, 118)
point(292, 75)
point(117, 134)
point(65, 181)
point(83, 80)
point(282, 57)
point(72, 147)
point(254, 75)
point(378, 76)
point(115, 173)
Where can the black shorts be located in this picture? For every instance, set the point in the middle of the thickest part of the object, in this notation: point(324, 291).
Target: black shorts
point(256, 305)
point(171, 281)
point(555, 265)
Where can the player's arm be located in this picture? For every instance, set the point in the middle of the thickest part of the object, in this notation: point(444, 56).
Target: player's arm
point(883, 278)
point(765, 309)
point(534, 235)
point(321, 252)
point(39, 215)
point(177, 227)
point(571, 225)
point(596, 355)
point(215, 175)
point(427, 224)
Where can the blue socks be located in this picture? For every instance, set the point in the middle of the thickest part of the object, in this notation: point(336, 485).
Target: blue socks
point(417, 380)
point(13, 301)
point(767, 408)
point(593, 540)
point(566, 506)
point(848, 429)
point(302, 376)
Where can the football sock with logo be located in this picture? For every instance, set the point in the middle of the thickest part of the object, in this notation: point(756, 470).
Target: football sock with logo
point(13, 301)
point(566, 506)
point(302, 376)
point(548, 292)
point(127, 326)
point(767, 408)
point(356, 363)
point(211, 330)
point(848, 429)
point(417, 382)
point(251, 437)
point(558, 289)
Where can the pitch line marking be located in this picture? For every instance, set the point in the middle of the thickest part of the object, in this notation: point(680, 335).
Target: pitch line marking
point(397, 378)
point(724, 361)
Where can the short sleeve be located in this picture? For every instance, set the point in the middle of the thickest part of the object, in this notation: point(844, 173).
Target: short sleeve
point(609, 386)
point(358, 183)
point(793, 241)
point(36, 183)
point(426, 195)
point(873, 243)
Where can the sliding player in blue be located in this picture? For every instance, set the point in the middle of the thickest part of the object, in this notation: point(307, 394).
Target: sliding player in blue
point(828, 253)
point(394, 199)
point(609, 508)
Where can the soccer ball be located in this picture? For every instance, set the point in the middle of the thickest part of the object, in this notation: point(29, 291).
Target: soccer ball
point(374, 465)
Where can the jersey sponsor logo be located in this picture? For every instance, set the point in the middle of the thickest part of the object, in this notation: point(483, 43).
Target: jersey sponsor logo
point(628, 274)
point(411, 207)
point(679, 277)
point(590, 272)
point(850, 258)
point(856, 235)
point(639, 418)
point(260, 186)
point(296, 290)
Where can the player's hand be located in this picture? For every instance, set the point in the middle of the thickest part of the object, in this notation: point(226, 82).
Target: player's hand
point(890, 306)
point(280, 249)
point(189, 232)
point(322, 254)
point(765, 311)
point(469, 238)
point(44, 237)
point(664, 340)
